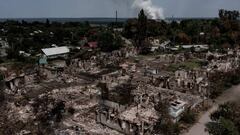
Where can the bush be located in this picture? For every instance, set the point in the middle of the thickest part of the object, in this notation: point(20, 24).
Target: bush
point(109, 42)
point(222, 127)
point(170, 128)
point(188, 65)
point(226, 120)
point(165, 126)
point(189, 117)
point(1, 77)
point(1, 60)
point(71, 110)
point(221, 81)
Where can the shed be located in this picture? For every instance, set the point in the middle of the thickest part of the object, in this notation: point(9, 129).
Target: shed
point(43, 60)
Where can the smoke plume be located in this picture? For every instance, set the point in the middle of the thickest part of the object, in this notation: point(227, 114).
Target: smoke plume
point(152, 11)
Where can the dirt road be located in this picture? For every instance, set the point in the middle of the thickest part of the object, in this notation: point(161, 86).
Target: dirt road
point(229, 95)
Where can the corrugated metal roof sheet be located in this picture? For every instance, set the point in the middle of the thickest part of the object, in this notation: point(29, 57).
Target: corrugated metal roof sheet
point(55, 51)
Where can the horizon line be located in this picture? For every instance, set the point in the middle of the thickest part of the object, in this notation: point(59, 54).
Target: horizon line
point(94, 17)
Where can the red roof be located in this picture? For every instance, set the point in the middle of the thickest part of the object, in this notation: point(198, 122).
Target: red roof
point(83, 38)
point(93, 44)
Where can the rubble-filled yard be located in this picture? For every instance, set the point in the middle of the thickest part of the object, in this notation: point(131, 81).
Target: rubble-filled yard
point(52, 108)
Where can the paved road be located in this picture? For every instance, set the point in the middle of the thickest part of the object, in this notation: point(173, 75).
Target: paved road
point(232, 94)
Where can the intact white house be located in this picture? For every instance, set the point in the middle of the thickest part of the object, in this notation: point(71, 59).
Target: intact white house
point(56, 52)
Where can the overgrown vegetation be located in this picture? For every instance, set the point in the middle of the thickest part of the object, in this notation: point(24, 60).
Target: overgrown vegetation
point(1, 77)
point(226, 120)
point(108, 41)
point(32, 37)
point(165, 125)
point(220, 81)
point(222, 32)
point(188, 65)
point(189, 117)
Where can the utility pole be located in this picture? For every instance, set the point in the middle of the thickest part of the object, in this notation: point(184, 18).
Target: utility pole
point(116, 17)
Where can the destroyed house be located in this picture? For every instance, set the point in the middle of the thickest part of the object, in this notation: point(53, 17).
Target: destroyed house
point(176, 109)
point(195, 47)
point(139, 117)
point(126, 117)
point(14, 81)
point(134, 118)
point(130, 120)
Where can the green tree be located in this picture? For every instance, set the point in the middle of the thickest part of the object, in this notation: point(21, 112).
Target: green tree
point(167, 128)
point(47, 23)
point(189, 117)
point(130, 29)
point(222, 127)
point(227, 14)
point(165, 125)
point(109, 42)
point(226, 120)
point(141, 29)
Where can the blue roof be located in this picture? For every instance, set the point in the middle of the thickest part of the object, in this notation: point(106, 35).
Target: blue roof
point(43, 60)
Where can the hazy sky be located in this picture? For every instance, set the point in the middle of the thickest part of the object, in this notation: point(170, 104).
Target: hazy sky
point(106, 8)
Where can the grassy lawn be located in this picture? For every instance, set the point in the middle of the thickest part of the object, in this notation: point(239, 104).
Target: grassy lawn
point(188, 65)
